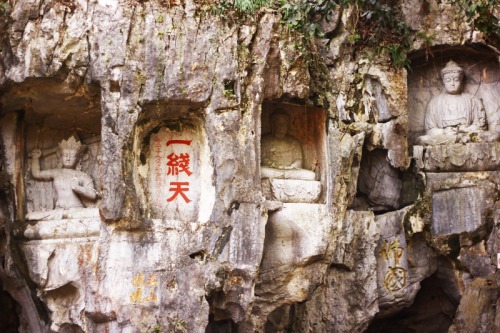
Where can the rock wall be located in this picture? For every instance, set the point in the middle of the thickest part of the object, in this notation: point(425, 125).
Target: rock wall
point(180, 231)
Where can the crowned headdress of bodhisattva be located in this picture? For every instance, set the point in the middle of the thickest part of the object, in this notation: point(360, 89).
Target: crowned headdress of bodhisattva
point(452, 67)
point(70, 144)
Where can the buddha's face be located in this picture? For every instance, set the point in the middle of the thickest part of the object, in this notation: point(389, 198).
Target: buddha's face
point(69, 158)
point(280, 125)
point(453, 83)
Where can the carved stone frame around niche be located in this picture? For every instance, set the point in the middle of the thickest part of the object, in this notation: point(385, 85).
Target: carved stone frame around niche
point(171, 133)
point(301, 217)
point(38, 115)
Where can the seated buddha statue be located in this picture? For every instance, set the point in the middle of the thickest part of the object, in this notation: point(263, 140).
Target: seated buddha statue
point(281, 153)
point(454, 116)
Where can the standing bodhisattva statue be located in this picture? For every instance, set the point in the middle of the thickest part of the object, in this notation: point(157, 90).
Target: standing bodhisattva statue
point(454, 116)
point(69, 184)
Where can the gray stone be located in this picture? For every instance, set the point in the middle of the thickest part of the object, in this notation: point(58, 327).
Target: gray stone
point(69, 227)
point(379, 181)
point(455, 116)
point(292, 190)
point(282, 154)
point(395, 290)
point(128, 76)
point(295, 235)
point(478, 309)
point(459, 210)
point(351, 305)
point(458, 157)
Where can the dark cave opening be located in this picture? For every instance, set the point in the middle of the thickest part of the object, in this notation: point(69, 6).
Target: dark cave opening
point(221, 326)
point(9, 320)
point(432, 311)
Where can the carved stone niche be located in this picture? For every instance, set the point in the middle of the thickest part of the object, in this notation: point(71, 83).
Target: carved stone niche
point(174, 172)
point(454, 115)
point(61, 199)
point(293, 162)
point(56, 227)
point(293, 175)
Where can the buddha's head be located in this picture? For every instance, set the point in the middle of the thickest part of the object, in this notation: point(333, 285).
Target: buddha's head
point(280, 121)
point(69, 152)
point(452, 75)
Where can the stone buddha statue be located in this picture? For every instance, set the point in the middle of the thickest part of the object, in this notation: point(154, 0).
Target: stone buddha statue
point(70, 185)
point(454, 116)
point(281, 153)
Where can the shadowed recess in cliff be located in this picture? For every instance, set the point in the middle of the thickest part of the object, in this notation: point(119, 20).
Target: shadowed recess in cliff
point(9, 320)
point(432, 312)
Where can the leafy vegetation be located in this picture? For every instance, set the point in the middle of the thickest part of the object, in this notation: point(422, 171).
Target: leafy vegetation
point(479, 13)
point(379, 23)
point(306, 16)
point(251, 5)
point(4, 7)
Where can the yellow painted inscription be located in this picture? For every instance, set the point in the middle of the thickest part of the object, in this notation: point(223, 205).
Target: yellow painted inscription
point(145, 288)
point(395, 278)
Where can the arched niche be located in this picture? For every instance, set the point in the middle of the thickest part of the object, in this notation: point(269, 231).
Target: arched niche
point(39, 114)
point(481, 79)
point(173, 170)
point(307, 125)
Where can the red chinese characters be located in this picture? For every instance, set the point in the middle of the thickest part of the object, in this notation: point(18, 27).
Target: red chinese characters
point(158, 173)
point(179, 165)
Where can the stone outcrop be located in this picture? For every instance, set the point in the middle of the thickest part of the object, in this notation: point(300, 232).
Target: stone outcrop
point(185, 209)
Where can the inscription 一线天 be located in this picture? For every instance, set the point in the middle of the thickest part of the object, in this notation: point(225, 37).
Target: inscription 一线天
point(178, 164)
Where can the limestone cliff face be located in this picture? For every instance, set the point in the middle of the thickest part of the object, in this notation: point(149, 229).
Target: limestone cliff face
point(171, 101)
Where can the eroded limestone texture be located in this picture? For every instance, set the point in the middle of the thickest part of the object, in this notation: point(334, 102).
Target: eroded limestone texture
point(379, 182)
point(459, 210)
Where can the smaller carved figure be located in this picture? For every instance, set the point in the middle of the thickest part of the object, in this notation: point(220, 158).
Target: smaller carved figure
point(454, 116)
point(281, 155)
point(69, 184)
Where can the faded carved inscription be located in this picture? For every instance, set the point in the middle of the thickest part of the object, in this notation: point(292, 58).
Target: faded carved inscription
point(144, 288)
point(395, 278)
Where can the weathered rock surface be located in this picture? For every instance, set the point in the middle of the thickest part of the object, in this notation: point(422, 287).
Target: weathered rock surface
point(478, 310)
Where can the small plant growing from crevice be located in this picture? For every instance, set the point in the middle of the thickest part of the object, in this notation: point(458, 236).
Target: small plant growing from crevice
point(427, 41)
point(4, 8)
point(229, 89)
point(250, 6)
